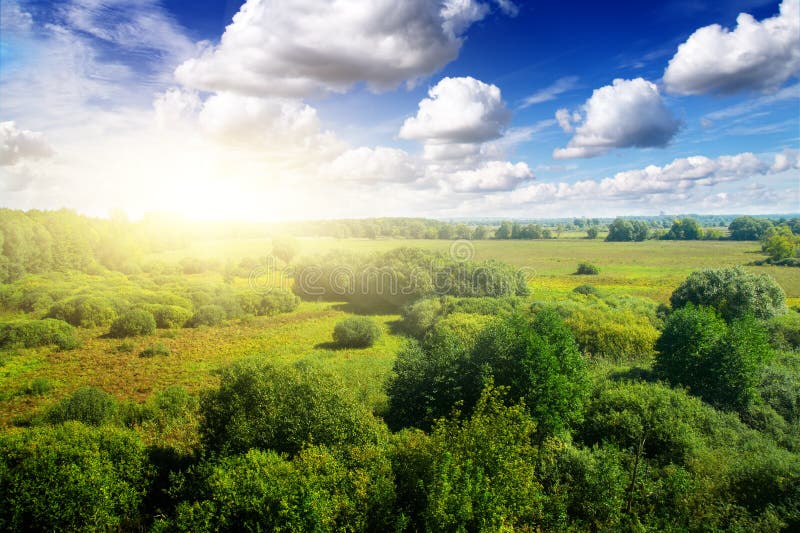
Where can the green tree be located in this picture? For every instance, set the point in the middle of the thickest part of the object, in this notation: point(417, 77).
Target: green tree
point(132, 323)
point(592, 233)
point(780, 243)
point(284, 409)
point(684, 229)
point(719, 362)
point(733, 292)
point(285, 248)
point(747, 228)
point(356, 332)
point(504, 231)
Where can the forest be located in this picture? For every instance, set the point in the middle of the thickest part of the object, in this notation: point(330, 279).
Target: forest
point(399, 375)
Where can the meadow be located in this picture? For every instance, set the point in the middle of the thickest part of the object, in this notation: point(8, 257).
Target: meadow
point(650, 269)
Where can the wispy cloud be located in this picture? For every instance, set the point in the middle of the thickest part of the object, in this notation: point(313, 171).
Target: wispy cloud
point(552, 92)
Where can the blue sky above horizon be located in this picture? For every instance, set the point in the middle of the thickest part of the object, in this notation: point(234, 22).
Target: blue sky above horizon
point(316, 109)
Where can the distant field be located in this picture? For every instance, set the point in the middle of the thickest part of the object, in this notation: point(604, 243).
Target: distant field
point(650, 268)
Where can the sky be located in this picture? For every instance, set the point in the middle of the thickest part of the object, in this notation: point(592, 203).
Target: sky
point(313, 109)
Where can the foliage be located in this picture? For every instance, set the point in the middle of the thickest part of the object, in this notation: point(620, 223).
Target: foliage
point(85, 311)
point(132, 323)
point(155, 349)
point(784, 330)
point(33, 333)
point(269, 303)
point(421, 316)
point(717, 361)
point(587, 269)
point(684, 229)
point(88, 405)
point(779, 386)
point(592, 233)
point(733, 292)
point(587, 290)
point(320, 489)
point(71, 477)
point(285, 248)
point(780, 243)
point(260, 406)
point(747, 228)
point(356, 332)
point(207, 315)
point(170, 316)
point(623, 230)
point(39, 387)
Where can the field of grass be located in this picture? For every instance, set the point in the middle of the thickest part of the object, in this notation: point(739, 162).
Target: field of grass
point(650, 269)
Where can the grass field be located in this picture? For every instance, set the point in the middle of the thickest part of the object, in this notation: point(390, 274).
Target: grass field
point(650, 269)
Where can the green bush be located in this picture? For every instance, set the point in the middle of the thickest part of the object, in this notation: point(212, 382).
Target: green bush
point(270, 303)
point(84, 311)
point(88, 405)
point(208, 315)
point(779, 386)
point(125, 347)
point(784, 331)
point(170, 316)
point(155, 349)
point(719, 362)
point(39, 387)
point(587, 269)
point(586, 290)
point(282, 409)
point(356, 332)
point(318, 490)
point(72, 478)
point(733, 292)
point(133, 323)
point(33, 333)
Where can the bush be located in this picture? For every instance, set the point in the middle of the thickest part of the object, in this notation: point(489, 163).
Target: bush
point(271, 303)
point(733, 292)
point(587, 290)
point(170, 316)
point(784, 331)
point(587, 269)
point(155, 349)
point(207, 315)
point(33, 333)
point(72, 478)
point(721, 363)
point(132, 323)
point(88, 405)
point(356, 332)
point(84, 311)
point(125, 347)
point(780, 386)
point(260, 406)
point(39, 387)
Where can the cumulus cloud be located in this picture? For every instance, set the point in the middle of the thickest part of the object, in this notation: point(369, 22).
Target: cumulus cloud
point(375, 165)
point(17, 145)
point(552, 92)
point(754, 56)
point(458, 110)
point(626, 114)
point(491, 176)
point(13, 18)
point(788, 160)
point(291, 48)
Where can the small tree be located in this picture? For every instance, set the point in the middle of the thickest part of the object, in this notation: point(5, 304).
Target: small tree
point(356, 332)
point(285, 248)
point(780, 243)
point(587, 269)
point(592, 233)
point(721, 363)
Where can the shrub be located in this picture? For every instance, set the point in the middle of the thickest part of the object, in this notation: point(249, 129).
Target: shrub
point(71, 478)
point(733, 292)
point(587, 269)
point(125, 347)
point(33, 333)
point(88, 405)
point(155, 349)
point(587, 290)
point(132, 323)
point(39, 387)
point(784, 331)
point(170, 316)
point(207, 315)
point(780, 243)
point(356, 332)
point(260, 406)
point(779, 386)
point(84, 311)
point(271, 303)
point(719, 362)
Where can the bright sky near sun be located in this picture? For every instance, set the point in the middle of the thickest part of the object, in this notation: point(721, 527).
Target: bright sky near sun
point(289, 109)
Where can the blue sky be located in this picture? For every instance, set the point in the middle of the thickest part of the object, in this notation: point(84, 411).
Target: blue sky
point(442, 108)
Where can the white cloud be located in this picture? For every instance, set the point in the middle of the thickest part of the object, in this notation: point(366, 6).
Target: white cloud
point(299, 48)
point(459, 110)
point(13, 18)
point(626, 114)
point(17, 145)
point(754, 56)
point(788, 160)
point(374, 166)
point(552, 92)
point(565, 119)
point(491, 176)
